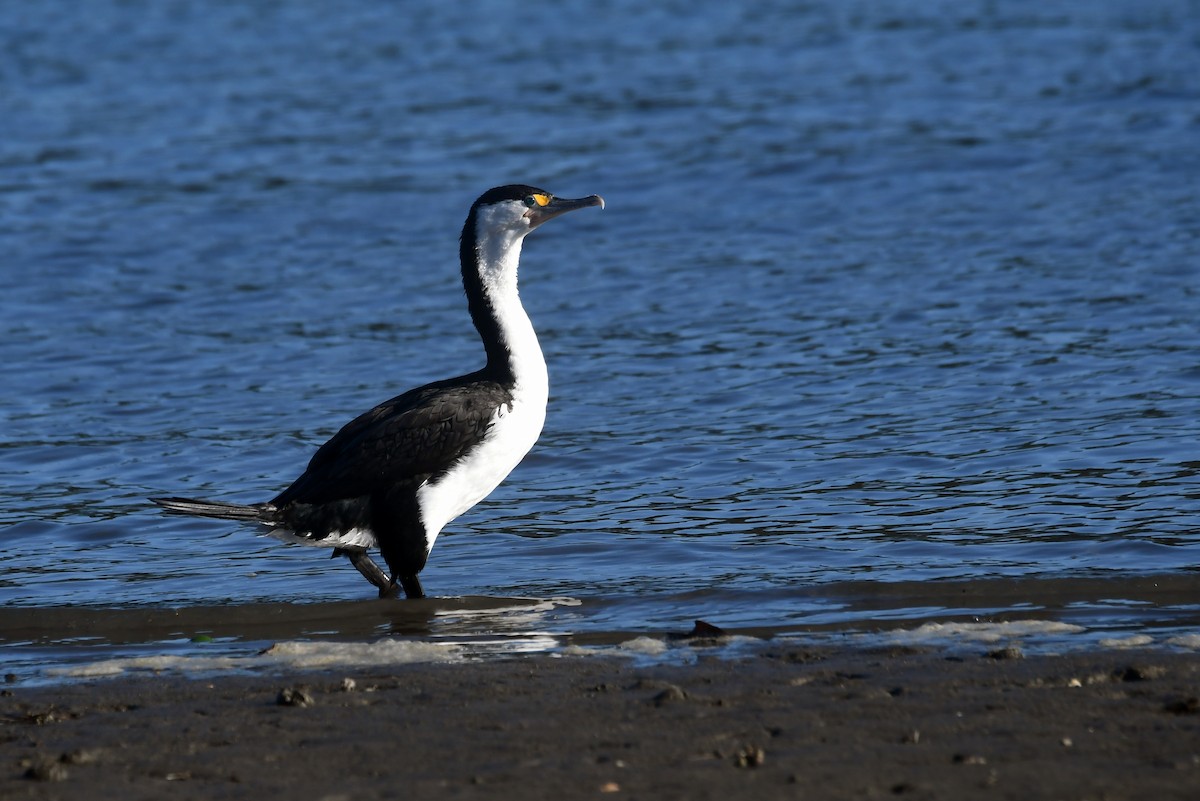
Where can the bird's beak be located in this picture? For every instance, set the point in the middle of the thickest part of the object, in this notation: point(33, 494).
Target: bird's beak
point(557, 205)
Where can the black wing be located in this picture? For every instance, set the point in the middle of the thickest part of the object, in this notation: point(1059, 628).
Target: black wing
point(418, 434)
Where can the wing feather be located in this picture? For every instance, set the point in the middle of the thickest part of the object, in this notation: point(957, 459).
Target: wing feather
point(413, 436)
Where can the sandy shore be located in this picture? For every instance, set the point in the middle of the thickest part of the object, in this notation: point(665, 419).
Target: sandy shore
point(788, 723)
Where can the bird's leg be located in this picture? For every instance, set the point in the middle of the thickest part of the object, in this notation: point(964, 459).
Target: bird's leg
point(372, 573)
point(412, 586)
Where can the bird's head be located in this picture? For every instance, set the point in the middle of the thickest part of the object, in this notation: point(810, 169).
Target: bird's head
point(518, 209)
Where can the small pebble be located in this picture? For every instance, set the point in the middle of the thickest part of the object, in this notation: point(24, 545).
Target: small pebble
point(1011, 652)
point(42, 718)
point(705, 629)
point(751, 756)
point(672, 693)
point(1140, 673)
point(294, 696)
point(46, 772)
point(349, 685)
point(1183, 706)
point(81, 756)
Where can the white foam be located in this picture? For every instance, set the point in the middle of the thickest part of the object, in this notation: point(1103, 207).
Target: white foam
point(644, 646)
point(518, 626)
point(150, 664)
point(297, 654)
point(1185, 641)
point(982, 632)
point(303, 654)
point(1132, 641)
point(659, 650)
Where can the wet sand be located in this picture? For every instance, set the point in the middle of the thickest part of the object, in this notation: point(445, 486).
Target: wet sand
point(789, 722)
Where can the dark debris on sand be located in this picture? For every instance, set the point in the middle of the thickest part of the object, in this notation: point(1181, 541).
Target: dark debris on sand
point(800, 723)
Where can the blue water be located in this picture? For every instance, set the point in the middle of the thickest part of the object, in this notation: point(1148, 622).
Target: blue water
point(885, 292)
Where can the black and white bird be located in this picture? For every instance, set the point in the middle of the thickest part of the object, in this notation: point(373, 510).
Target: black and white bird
point(393, 477)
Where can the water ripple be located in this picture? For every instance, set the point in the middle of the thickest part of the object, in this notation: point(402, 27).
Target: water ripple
point(882, 293)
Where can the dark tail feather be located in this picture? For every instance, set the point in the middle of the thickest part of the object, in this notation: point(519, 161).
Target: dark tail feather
point(226, 511)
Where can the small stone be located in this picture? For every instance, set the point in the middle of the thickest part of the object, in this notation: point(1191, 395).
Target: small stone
point(1140, 673)
point(669, 695)
point(610, 787)
point(46, 771)
point(797, 656)
point(349, 685)
point(1183, 706)
point(1067, 742)
point(1011, 652)
point(81, 756)
point(42, 718)
point(703, 628)
point(969, 759)
point(1074, 683)
point(750, 756)
point(294, 696)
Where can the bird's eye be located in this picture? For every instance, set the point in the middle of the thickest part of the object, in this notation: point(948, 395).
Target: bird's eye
point(530, 201)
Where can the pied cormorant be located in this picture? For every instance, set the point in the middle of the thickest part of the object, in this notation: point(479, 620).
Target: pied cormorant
point(393, 477)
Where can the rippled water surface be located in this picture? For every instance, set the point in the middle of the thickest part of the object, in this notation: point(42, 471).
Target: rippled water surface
point(884, 292)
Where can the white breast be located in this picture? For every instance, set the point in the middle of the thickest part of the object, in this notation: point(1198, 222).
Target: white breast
point(512, 432)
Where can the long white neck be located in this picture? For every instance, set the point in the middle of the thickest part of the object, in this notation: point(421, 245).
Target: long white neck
point(506, 330)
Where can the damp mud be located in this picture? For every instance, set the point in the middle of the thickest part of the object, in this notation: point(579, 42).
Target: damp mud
point(56, 644)
point(786, 722)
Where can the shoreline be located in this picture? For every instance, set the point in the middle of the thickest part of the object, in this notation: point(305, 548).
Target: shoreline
point(790, 721)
